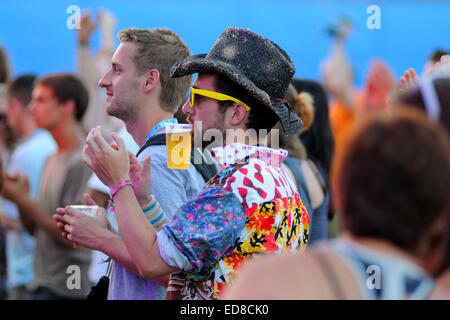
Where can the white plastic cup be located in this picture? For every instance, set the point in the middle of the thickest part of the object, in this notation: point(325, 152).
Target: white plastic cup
point(87, 210)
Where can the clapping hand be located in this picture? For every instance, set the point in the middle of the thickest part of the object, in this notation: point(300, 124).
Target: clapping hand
point(110, 164)
point(140, 177)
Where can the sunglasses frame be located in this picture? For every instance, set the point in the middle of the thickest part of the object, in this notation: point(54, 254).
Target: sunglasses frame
point(215, 96)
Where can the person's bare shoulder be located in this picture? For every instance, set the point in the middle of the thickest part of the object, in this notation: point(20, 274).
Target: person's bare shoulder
point(441, 290)
point(277, 277)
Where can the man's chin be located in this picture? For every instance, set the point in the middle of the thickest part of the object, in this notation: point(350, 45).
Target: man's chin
point(41, 126)
point(113, 112)
point(108, 109)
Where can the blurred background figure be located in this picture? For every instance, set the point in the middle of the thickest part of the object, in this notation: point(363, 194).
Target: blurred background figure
point(3, 271)
point(28, 158)
point(434, 58)
point(347, 101)
point(58, 104)
point(336, 69)
point(4, 78)
point(431, 96)
point(91, 67)
point(7, 138)
point(437, 66)
point(310, 180)
point(318, 138)
point(396, 226)
point(6, 145)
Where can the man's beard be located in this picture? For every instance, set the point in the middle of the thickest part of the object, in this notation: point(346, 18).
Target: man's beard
point(218, 125)
point(125, 111)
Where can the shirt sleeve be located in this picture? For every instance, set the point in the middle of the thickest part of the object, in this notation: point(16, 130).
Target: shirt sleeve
point(75, 184)
point(170, 254)
point(206, 228)
point(167, 184)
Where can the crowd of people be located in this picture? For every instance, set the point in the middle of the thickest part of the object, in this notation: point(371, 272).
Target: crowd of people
point(344, 194)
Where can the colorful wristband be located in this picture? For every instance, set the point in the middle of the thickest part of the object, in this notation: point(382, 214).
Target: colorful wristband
point(119, 186)
point(149, 205)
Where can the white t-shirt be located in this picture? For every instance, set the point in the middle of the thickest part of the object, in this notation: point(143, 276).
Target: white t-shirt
point(27, 159)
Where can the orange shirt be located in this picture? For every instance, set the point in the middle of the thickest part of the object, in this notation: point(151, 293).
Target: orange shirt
point(342, 118)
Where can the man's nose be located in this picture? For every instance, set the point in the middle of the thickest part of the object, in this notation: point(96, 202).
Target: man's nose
point(104, 81)
point(187, 107)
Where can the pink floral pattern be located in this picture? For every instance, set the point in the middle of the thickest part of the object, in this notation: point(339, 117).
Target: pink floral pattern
point(249, 208)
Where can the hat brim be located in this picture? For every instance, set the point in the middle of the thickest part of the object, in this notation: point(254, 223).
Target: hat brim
point(202, 64)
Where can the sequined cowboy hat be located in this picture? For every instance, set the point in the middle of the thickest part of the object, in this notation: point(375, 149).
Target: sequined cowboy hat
point(255, 63)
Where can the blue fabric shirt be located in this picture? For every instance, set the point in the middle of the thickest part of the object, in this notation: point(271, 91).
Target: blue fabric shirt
point(383, 276)
point(27, 159)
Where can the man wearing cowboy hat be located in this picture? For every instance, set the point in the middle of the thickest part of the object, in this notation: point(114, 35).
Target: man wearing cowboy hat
point(250, 207)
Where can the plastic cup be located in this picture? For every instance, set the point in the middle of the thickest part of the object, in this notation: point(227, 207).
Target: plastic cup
point(88, 210)
point(178, 143)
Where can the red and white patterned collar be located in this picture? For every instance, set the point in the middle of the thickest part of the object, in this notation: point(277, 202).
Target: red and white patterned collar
point(233, 153)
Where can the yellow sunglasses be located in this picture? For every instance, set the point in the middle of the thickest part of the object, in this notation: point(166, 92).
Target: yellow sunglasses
point(215, 96)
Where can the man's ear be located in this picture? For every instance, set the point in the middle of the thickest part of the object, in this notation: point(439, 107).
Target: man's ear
point(15, 105)
point(432, 246)
point(14, 102)
point(239, 115)
point(151, 79)
point(69, 108)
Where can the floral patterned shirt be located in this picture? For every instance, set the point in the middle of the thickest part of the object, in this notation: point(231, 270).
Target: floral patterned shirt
point(247, 209)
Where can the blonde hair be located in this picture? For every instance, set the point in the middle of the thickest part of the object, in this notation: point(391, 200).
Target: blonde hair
point(160, 49)
point(303, 105)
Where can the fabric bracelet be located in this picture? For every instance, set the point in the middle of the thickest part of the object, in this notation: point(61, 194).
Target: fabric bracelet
point(154, 213)
point(119, 186)
point(149, 205)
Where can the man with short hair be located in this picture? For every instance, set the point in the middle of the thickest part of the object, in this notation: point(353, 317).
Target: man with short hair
point(58, 104)
point(250, 207)
point(27, 159)
point(141, 93)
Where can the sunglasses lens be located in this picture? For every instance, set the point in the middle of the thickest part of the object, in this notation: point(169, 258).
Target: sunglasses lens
point(192, 99)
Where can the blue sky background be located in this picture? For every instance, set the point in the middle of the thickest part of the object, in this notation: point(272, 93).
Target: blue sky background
point(35, 34)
